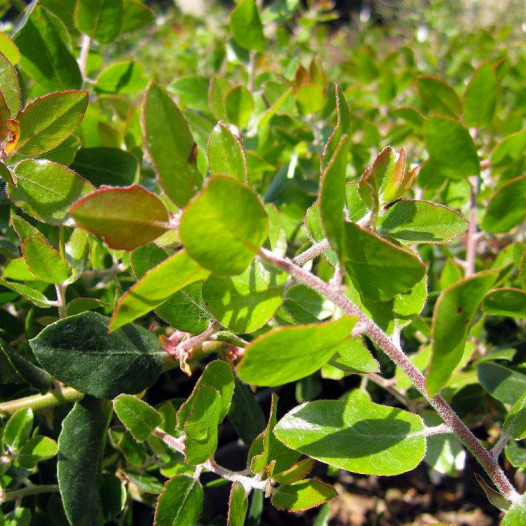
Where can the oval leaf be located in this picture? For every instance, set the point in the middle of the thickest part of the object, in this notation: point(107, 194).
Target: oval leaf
point(137, 416)
point(81, 448)
point(246, 26)
point(506, 302)
point(224, 226)
point(50, 120)
point(226, 155)
point(480, 98)
point(237, 505)
point(439, 96)
point(170, 145)
point(180, 502)
point(358, 436)
point(302, 495)
point(287, 354)
point(125, 217)
point(99, 19)
point(45, 190)
point(79, 352)
point(45, 262)
point(10, 86)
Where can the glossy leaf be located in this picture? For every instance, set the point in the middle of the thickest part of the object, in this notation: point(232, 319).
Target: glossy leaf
point(453, 313)
point(439, 96)
point(125, 217)
point(226, 155)
point(109, 166)
point(99, 19)
point(180, 502)
point(81, 449)
point(246, 27)
point(289, 353)
point(343, 124)
point(49, 120)
point(421, 222)
point(379, 269)
point(353, 356)
point(237, 505)
point(246, 302)
point(506, 302)
point(171, 146)
point(239, 105)
point(332, 198)
point(45, 262)
point(302, 495)
point(506, 208)
point(359, 436)
point(296, 472)
point(10, 85)
point(124, 77)
point(35, 450)
point(79, 352)
point(451, 148)
point(43, 42)
point(18, 429)
point(218, 375)
point(45, 190)
point(137, 416)
point(514, 426)
point(155, 287)
point(503, 383)
point(480, 97)
point(9, 50)
point(224, 243)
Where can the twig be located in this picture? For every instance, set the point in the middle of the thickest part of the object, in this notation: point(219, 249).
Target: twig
point(471, 243)
point(395, 353)
point(24, 492)
point(311, 253)
point(61, 299)
point(85, 45)
point(58, 396)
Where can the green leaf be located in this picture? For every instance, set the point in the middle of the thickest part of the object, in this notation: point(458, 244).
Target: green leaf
point(45, 190)
point(503, 383)
point(226, 155)
point(359, 436)
point(170, 145)
point(309, 99)
point(200, 424)
point(302, 495)
point(9, 50)
point(506, 302)
point(224, 243)
point(379, 269)
point(295, 473)
point(506, 209)
point(125, 217)
point(138, 417)
point(219, 376)
point(353, 356)
point(79, 305)
point(135, 16)
point(246, 26)
point(219, 87)
point(155, 287)
point(79, 352)
point(516, 515)
point(246, 302)
point(439, 96)
point(245, 414)
point(33, 375)
point(45, 262)
point(480, 97)
point(125, 78)
point(99, 19)
point(81, 448)
point(286, 354)
point(35, 450)
point(451, 148)
point(49, 120)
point(10, 85)
point(180, 502)
point(34, 296)
point(43, 42)
point(453, 313)
point(343, 124)
point(332, 197)
point(239, 105)
point(421, 222)
point(514, 426)
point(18, 429)
point(237, 505)
point(511, 148)
point(109, 166)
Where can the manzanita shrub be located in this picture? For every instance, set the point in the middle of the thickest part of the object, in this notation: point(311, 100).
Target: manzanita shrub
point(250, 224)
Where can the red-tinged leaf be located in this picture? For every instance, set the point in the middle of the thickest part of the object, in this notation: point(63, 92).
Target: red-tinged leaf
point(10, 85)
point(126, 218)
point(302, 495)
point(49, 120)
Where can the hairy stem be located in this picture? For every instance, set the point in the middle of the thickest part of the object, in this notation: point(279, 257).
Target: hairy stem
point(61, 299)
point(395, 353)
point(58, 396)
point(85, 46)
point(471, 243)
point(311, 253)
